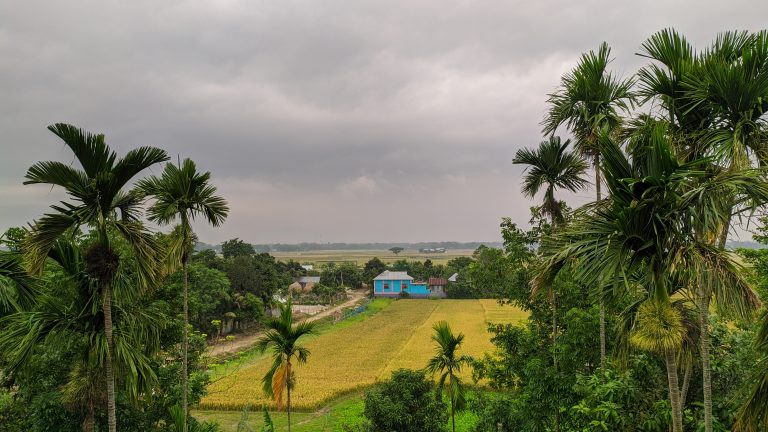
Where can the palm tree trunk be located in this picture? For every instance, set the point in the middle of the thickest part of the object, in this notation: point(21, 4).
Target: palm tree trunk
point(706, 368)
point(288, 387)
point(185, 343)
point(598, 196)
point(90, 421)
point(686, 382)
point(107, 310)
point(674, 391)
point(453, 412)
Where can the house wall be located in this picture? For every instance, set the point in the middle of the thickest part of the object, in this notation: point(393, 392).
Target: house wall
point(397, 286)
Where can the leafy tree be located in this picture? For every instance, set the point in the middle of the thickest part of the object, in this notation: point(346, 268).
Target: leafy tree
point(343, 275)
point(590, 101)
point(236, 248)
point(373, 268)
point(448, 363)
point(396, 250)
point(100, 201)
point(405, 403)
point(282, 338)
point(182, 193)
point(256, 274)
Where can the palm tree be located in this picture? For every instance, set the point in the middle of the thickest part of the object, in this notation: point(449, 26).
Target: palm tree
point(70, 309)
point(552, 166)
point(448, 364)
point(590, 100)
point(183, 193)
point(646, 234)
point(282, 337)
point(715, 104)
point(98, 199)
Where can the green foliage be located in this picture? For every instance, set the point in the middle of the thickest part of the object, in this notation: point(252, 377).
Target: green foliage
point(396, 250)
point(405, 403)
point(236, 248)
point(342, 275)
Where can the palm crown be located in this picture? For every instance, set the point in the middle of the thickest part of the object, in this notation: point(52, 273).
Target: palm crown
point(551, 165)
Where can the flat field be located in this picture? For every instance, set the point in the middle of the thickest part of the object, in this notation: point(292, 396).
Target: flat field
point(360, 257)
point(350, 356)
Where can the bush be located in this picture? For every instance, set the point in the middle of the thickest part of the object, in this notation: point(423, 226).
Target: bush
point(406, 403)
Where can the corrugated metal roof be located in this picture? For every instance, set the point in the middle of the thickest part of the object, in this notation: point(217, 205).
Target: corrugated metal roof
point(390, 275)
point(453, 277)
point(437, 281)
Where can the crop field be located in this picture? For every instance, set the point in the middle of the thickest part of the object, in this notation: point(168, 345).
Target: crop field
point(350, 357)
point(360, 257)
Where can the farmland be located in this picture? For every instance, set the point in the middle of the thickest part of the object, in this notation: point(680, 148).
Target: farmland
point(360, 257)
point(350, 356)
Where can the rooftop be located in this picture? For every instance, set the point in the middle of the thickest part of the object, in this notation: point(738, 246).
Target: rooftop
point(390, 275)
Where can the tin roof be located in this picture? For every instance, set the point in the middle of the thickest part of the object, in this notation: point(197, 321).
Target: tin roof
point(308, 279)
point(390, 275)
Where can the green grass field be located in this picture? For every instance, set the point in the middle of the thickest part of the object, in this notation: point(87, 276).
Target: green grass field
point(360, 257)
point(350, 356)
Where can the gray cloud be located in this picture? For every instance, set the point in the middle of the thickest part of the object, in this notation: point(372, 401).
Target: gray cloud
point(321, 121)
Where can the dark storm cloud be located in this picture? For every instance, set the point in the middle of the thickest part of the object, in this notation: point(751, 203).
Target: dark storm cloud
point(320, 120)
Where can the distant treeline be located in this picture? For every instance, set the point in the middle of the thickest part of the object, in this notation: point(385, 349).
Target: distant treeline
point(306, 247)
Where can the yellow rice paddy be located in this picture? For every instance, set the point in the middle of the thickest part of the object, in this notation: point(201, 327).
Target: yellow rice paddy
point(356, 356)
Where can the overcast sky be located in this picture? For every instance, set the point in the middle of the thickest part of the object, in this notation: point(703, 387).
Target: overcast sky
point(322, 121)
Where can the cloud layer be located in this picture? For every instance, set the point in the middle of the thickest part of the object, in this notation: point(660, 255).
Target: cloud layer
point(320, 121)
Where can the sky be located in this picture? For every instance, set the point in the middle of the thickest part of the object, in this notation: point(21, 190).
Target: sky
point(320, 121)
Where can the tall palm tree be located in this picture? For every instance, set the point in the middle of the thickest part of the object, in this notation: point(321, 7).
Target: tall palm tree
point(70, 309)
point(715, 104)
point(590, 99)
point(551, 166)
point(183, 193)
point(282, 337)
point(99, 200)
point(448, 363)
point(647, 231)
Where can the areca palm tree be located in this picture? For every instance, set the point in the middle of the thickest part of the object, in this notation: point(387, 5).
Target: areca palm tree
point(99, 200)
point(181, 193)
point(448, 363)
point(551, 166)
point(715, 102)
point(282, 338)
point(590, 100)
point(647, 231)
point(71, 310)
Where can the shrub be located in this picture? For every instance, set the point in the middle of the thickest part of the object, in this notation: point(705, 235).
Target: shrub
point(406, 403)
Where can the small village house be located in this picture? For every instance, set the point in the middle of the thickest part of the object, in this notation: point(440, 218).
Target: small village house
point(393, 284)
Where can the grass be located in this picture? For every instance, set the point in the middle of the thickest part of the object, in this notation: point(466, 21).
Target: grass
point(360, 257)
point(347, 410)
point(356, 353)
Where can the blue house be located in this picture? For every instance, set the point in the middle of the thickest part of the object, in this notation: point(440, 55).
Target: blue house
point(391, 284)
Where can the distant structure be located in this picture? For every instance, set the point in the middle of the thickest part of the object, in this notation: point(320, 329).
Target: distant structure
point(392, 284)
point(432, 250)
point(308, 267)
point(454, 277)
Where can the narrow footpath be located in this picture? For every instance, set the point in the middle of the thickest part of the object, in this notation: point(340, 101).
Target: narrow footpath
point(243, 342)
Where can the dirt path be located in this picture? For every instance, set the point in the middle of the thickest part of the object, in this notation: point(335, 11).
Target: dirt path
point(245, 342)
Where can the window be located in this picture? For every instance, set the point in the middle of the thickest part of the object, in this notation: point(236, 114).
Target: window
point(386, 286)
